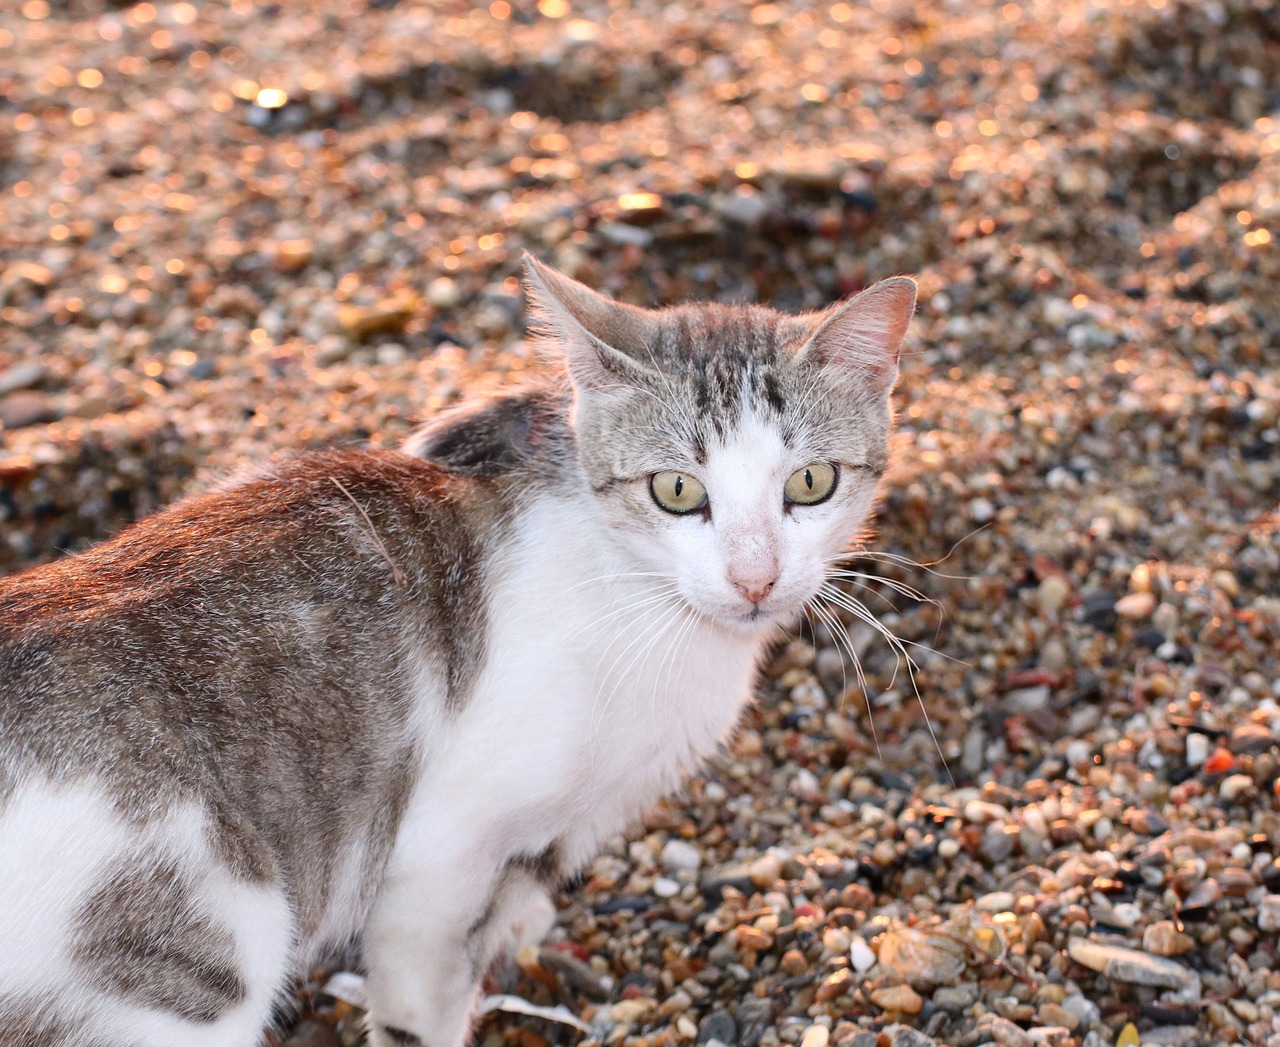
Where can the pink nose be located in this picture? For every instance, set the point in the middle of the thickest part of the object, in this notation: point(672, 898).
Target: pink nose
point(754, 590)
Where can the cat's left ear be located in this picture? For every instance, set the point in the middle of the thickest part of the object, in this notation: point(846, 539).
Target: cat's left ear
point(860, 338)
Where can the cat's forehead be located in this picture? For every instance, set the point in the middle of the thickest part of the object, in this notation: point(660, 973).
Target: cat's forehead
point(726, 359)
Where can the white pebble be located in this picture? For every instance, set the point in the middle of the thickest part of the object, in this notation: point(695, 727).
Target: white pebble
point(1197, 749)
point(861, 955)
point(815, 1036)
point(981, 510)
point(678, 856)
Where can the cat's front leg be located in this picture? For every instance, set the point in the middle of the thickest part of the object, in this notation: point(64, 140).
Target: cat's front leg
point(434, 931)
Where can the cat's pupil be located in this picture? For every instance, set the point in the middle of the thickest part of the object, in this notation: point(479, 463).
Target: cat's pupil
point(808, 478)
point(679, 485)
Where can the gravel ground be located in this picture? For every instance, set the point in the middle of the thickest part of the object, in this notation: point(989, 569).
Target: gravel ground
point(234, 228)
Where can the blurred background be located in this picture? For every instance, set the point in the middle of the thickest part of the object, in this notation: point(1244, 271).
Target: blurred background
point(230, 229)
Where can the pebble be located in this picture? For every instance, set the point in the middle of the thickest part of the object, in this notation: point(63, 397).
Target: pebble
point(719, 1026)
point(765, 870)
point(861, 955)
point(26, 407)
point(1163, 938)
point(1136, 605)
point(1130, 965)
point(1251, 739)
point(1053, 593)
point(1197, 749)
point(815, 1036)
point(22, 376)
point(900, 998)
point(1269, 913)
point(1235, 787)
point(679, 856)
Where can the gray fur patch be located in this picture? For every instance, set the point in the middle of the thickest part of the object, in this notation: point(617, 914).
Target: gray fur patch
point(140, 936)
point(28, 1022)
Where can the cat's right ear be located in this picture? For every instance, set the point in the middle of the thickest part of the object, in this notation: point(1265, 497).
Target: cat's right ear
point(601, 341)
point(861, 338)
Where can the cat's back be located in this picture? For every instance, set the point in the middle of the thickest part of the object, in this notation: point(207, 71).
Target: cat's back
point(293, 595)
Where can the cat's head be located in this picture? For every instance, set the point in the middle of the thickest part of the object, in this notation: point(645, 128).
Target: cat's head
point(733, 450)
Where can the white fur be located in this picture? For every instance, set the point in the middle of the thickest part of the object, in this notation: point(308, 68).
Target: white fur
point(618, 660)
point(750, 535)
point(59, 841)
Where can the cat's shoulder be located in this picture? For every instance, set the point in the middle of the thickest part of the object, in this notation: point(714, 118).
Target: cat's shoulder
point(520, 429)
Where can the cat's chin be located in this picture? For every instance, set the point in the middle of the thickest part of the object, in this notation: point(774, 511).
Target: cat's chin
point(757, 621)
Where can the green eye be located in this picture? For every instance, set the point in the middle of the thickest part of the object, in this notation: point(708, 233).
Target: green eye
point(810, 485)
point(677, 492)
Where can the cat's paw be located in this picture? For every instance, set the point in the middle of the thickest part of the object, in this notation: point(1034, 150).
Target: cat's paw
point(533, 921)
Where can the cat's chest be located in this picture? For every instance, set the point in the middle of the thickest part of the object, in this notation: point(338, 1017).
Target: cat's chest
point(600, 689)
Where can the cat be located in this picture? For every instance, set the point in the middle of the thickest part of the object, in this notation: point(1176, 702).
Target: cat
point(397, 697)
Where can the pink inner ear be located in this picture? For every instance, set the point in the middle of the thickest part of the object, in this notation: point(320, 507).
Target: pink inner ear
point(862, 337)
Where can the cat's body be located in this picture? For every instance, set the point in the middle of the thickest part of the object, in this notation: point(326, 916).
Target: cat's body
point(372, 696)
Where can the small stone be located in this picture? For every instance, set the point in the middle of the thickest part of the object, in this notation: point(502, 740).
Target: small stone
point(686, 1027)
point(981, 510)
point(1269, 913)
point(749, 937)
point(718, 1025)
point(1251, 738)
point(815, 1036)
point(900, 998)
point(1136, 605)
point(665, 887)
point(1206, 892)
point(22, 376)
point(1197, 750)
point(1057, 1015)
point(861, 955)
point(765, 870)
point(746, 206)
point(1226, 581)
point(953, 998)
point(1002, 1031)
point(679, 856)
point(1053, 593)
point(26, 407)
point(443, 292)
point(835, 985)
point(793, 962)
point(996, 901)
point(1130, 965)
point(1235, 786)
point(627, 1011)
point(388, 316)
point(1164, 939)
point(578, 976)
point(900, 1036)
point(293, 254)
point(1099, 611)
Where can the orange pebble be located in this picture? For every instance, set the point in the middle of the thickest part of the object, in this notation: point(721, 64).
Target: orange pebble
point(1220, 762)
